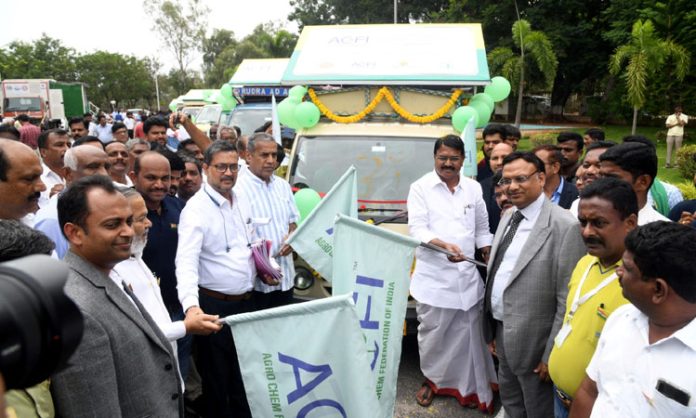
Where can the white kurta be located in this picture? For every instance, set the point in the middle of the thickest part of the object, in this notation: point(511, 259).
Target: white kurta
point(459, 218)
point(135, 273)
point(453, 355)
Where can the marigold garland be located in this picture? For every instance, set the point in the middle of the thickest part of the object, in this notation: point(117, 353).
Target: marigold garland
point(385, 93)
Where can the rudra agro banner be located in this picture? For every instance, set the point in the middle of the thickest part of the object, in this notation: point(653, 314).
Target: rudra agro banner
point(313, 239)
point(373, 265)
point(305, 360)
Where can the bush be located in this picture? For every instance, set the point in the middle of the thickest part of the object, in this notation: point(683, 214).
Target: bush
point(543, 139)
point(686, 159)
point(687, 189)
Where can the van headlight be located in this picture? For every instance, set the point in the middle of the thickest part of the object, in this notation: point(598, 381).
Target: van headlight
point(304, 279)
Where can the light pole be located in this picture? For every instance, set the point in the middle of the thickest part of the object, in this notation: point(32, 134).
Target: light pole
point(157, 91)
point(113, 105)
point(395, 8)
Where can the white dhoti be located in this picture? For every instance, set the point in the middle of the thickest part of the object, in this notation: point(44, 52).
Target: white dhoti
point(453, 355)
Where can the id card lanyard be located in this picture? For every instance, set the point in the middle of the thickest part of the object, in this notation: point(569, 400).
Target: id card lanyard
point(578, 301)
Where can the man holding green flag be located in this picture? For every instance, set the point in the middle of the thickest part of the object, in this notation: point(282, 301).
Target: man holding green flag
point(447, 209)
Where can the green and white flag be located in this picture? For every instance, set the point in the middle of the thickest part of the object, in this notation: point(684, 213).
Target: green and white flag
point(313, 239)
point(305, 360)
point(373, 265)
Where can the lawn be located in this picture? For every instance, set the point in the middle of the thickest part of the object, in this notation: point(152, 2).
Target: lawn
point(616, 132)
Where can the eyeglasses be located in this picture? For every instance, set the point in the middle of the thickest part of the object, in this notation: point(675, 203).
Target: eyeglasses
point(222, 168)
point(444, 159)
point(518, 179)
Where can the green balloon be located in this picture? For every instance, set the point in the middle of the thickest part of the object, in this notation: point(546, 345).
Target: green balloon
point(298, 92)
point(499, 89)
point(306, 200)
point(286, 112)
point(227, 104)
point(307, 114)
point(485, 98)
point(226, 91)
point(461, 117)
point(484, 113)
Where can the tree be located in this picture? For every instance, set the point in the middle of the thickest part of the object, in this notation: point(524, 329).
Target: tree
point(331, 12)
point(266, 41)
point(213, 46)
point(645, 54)
point(536, 59)
point(44, 58)
point(110, 76)
point(182, 29)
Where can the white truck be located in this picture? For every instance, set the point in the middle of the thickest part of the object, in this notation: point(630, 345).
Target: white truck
point(346, 66)
point(49, 101)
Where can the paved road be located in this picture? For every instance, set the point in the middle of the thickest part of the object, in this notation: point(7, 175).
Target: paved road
point(410, 379)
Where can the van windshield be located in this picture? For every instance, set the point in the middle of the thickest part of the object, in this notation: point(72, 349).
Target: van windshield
point(22, 104)
point(209, 114)
point(386, 167)
point(249, 119)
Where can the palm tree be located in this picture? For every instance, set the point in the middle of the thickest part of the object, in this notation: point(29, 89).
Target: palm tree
point(535, 54)
point(646, 53)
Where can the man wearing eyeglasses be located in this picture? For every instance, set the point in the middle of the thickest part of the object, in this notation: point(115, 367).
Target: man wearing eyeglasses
point(215, 275)
point(447, 210)
point(535, 250)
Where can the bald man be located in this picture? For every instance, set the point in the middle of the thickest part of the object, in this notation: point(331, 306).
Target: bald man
point(20, 180)
point(80, 161)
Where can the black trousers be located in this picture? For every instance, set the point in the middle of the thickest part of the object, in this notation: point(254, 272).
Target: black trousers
point(272, 299)
point(223, 389)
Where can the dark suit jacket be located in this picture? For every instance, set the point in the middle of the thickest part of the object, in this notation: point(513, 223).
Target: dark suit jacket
point(124, 366)
point(488, 189)
point(535, 297)
point(483, 170)
point(568, 195)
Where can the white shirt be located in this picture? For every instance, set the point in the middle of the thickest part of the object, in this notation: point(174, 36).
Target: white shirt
point(50, 178)
point(459, 218)
point(502, 276)
point(104, 133)
point(129, 122)
point(648, 214)
point(676, 130)
point(574, 207)
point(135, 272)
point(626, 368)
point(213, 250)
point(128, 183)
point(273, 209)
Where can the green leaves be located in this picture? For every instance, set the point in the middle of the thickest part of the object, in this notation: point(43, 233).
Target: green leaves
point(645, 55)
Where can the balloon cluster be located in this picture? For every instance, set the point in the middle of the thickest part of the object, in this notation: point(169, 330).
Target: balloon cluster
point(481, 105)
point(226, 98)
point(295, 113)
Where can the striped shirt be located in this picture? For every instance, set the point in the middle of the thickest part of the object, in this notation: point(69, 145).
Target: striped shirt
point(273, 209)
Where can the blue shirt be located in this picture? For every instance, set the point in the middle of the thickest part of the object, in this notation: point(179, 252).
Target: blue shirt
point(160, 251)
point(556, 196)
point(46, 221)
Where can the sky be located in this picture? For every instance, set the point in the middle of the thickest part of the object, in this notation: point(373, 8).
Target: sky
point(122, 25)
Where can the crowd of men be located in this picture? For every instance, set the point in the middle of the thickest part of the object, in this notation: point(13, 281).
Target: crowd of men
point(589, 298)
point(158, 245)
point(587, 305)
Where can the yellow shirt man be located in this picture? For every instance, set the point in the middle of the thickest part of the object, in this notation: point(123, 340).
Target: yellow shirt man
point(569, 360)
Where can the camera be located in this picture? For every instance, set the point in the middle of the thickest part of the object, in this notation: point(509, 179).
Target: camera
point(40, 327)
